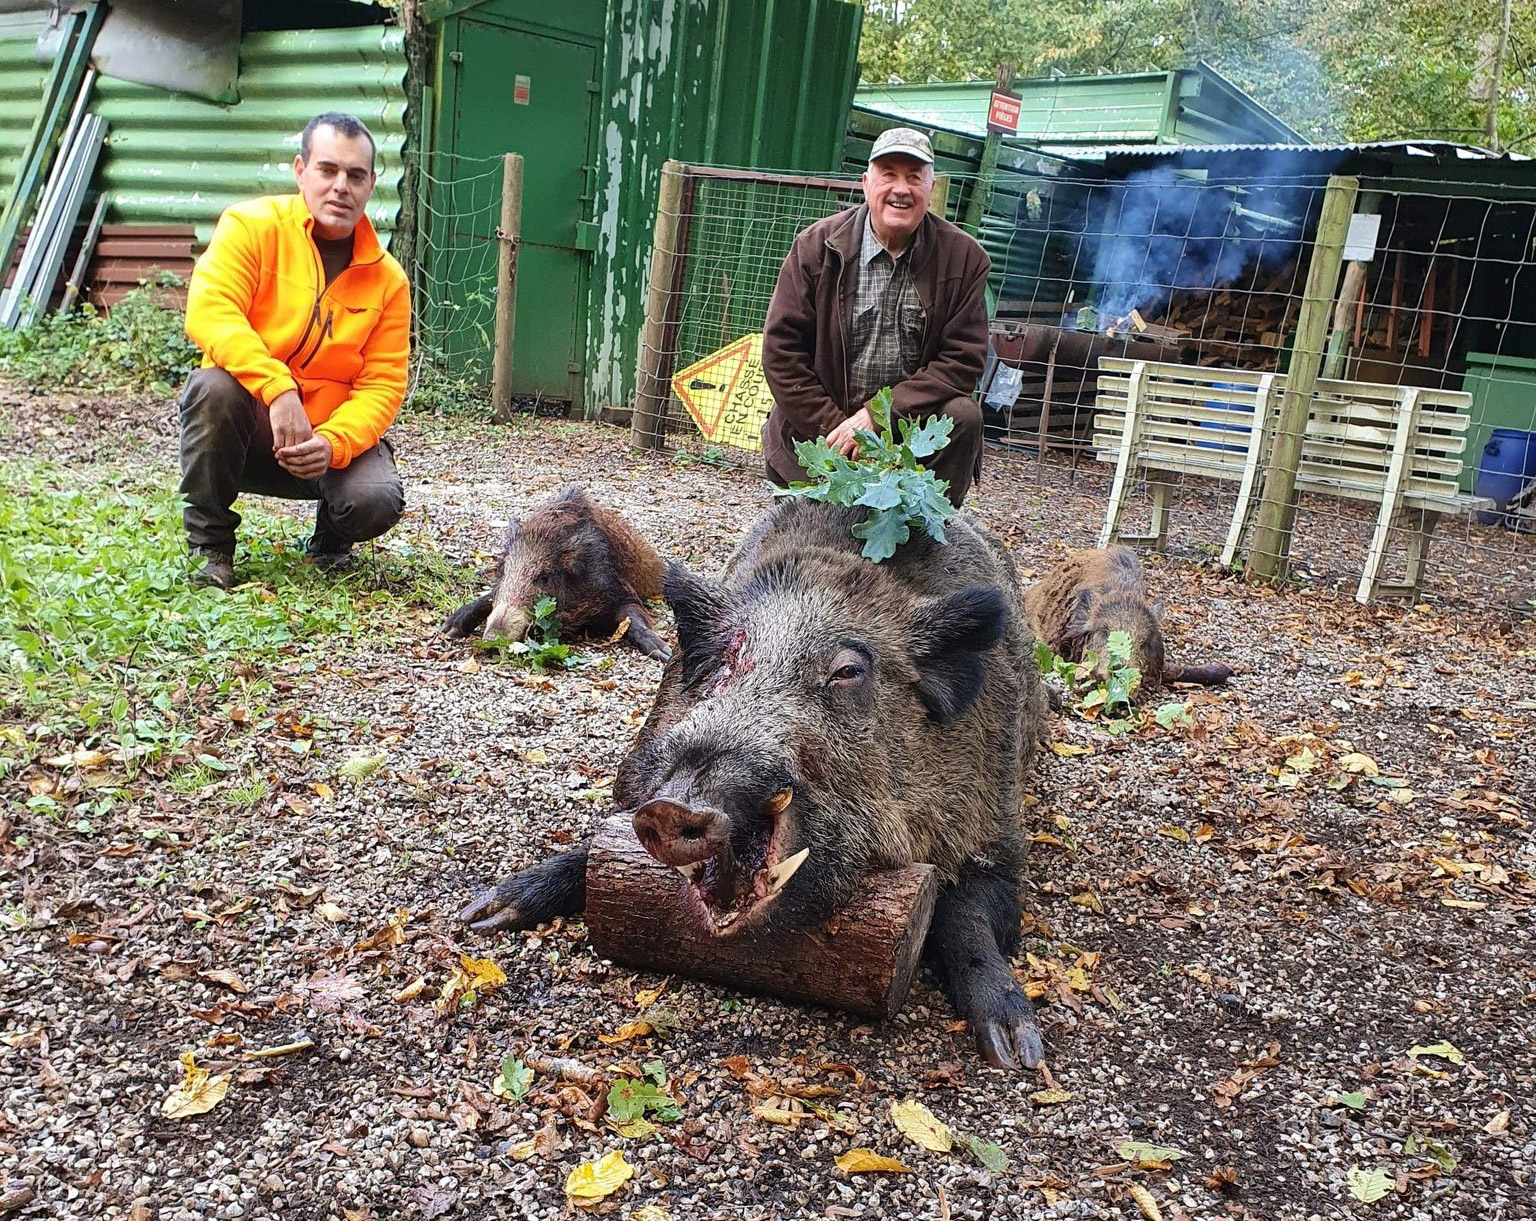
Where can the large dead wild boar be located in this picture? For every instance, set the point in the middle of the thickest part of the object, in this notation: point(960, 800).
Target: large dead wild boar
point(826, 717)
point(1080, 601)
point(585, 557)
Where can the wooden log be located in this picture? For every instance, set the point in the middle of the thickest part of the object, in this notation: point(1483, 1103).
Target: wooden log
point(862, 960)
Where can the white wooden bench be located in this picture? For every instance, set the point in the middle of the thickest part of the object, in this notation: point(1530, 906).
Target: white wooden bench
point(1397, 446)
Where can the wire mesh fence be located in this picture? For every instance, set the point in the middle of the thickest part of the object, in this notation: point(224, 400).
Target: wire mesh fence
point(459, 204)
point(1242, 377)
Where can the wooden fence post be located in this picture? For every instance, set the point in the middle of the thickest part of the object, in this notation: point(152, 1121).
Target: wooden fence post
point(1277, 509)
point(650, 392)
point(509, 234)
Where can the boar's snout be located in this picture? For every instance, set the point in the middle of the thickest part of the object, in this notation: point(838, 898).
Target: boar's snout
point(510, 621)
point(676, 834)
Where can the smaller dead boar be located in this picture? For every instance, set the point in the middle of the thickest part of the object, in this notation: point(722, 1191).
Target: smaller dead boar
point(1079, 602)
point(585, 557)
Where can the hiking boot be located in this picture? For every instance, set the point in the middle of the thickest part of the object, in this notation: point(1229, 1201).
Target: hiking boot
point(328, 553)
point(217, 572)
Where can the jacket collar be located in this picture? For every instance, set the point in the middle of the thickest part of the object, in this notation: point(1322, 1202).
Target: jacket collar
point(846, 237)
point(366, 247)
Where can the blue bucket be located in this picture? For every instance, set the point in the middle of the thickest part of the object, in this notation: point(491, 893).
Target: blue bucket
point(1229, 429)
point(1508, 464)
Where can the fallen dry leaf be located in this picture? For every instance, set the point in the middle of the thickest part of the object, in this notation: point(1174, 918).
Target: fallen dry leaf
point(1047, 1098)
point(917, 1123)
point(472, 978)
point(867, 1161)
point(392, 934)
point(592, 1181)
point(228, 978)
point(197, 1093)
point(650, 1212)
point(1145, 1202)
point(626, 1032)
point(1499, 1123)
point(1068, 749)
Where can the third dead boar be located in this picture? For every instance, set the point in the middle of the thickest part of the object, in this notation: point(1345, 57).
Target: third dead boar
point(825, 717)
point(1080, 601)
point(587, 558)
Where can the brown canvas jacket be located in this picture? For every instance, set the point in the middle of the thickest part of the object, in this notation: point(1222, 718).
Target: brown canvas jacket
point(805, 353)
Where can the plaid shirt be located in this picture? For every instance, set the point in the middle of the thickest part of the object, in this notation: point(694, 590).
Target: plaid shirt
point(885, 344)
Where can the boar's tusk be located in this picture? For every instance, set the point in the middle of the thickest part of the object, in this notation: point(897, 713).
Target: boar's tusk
point(776, 803)
point(780, 874)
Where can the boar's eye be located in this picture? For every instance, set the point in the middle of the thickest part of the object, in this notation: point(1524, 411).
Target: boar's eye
point(848, 666)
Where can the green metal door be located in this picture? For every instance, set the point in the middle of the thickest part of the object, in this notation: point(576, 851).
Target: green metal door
point(525, 93)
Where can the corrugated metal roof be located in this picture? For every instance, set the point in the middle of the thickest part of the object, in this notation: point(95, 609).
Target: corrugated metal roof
point(1066, 113)
point(1406, 150)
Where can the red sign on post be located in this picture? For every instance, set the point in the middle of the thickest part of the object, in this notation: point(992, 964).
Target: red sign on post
point(1003, 114)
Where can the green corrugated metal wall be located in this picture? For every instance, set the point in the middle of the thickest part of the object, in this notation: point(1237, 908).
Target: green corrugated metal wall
point(174, 158)
point(728, 82)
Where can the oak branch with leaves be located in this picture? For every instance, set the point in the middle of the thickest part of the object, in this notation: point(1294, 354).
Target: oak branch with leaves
point(887, 478)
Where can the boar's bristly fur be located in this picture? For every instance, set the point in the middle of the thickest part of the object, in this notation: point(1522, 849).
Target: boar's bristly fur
point(587, 558)
point(825, 717)
point(1080, 601)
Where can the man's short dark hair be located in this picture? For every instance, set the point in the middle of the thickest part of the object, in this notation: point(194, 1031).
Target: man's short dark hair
point(343, 125)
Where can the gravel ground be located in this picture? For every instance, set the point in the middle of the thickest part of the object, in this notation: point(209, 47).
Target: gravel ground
point(1238, 935)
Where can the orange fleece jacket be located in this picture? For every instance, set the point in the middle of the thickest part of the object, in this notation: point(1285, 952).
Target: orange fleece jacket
point(258, 306)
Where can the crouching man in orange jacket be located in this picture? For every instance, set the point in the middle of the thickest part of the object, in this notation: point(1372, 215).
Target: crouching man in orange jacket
point(304, 323)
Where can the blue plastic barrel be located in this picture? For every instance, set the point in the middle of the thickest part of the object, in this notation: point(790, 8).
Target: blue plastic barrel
point(1229, 429)
point(1507, 465)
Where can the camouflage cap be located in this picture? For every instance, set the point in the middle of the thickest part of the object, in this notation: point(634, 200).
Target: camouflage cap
point(903, 142)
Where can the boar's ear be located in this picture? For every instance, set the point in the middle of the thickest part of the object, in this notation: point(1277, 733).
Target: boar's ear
point(948, 637)
point(702, 610)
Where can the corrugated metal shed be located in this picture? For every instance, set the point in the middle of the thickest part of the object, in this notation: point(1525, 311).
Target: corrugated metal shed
point(1067, 114)
point(710, 81)
point(172, 158)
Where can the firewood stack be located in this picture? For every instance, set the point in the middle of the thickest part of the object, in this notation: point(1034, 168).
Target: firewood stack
point(1243, 325)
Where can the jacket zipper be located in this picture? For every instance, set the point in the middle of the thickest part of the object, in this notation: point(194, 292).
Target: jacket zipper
point(330, 314)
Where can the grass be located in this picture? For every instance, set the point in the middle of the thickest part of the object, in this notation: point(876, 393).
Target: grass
point(104, 646)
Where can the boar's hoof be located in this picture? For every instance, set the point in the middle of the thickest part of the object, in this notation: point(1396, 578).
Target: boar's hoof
point(648, 642)
point(1010, 1046)
point(495, 910)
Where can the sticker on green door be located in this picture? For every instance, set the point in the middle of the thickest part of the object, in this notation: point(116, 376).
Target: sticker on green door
point(520, 91)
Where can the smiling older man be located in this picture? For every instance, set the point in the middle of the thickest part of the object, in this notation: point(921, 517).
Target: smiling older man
point(304, 322)
point(886, 294)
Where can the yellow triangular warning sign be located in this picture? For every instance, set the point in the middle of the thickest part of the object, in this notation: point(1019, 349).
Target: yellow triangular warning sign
point(726, 393)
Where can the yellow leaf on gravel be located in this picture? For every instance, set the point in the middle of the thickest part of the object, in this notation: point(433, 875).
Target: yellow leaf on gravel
point(867, 1161)
point(329, 911)
point(535, 756)
point(1471, 905)
point(471, 976)
point(228, 978)
point(322, 789)
point(392, 934)
point(1145, 1202)
point(791, 1115)
point(1442, 1049)
point(1068, 749)
point(1499, 1123)
point(917, 1123)
point(360, 767)
point(1177, 833)
point(80, 758)
point(1047, 1098)
point(1368, 1186)
point(198, 1092)
point(523, 1150)
point(411, 990)
point(1089, 900)
point(1360, 765)
point(647, 997)
point(594, 1180)
point(650, 1213)
point(626, 1032)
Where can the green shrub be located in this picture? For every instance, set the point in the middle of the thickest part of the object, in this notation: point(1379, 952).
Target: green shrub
point(139, 344)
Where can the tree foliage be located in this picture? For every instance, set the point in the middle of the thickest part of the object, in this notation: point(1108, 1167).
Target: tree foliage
point(1333, 69)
